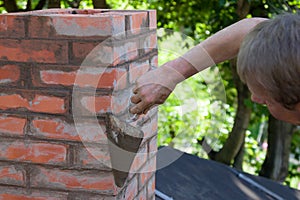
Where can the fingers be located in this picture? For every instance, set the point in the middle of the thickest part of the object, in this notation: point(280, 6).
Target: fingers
point(135, 99)
point(135, 89)
point(140, 108)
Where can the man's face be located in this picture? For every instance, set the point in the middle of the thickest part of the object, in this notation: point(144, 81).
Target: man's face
point(260, 96)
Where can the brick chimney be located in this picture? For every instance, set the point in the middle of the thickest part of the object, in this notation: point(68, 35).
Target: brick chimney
point(65, 82)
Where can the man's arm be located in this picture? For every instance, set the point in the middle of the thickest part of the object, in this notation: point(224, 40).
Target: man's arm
point(155, 86)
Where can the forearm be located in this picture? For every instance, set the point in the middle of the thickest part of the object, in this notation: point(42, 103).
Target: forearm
point(219, 47)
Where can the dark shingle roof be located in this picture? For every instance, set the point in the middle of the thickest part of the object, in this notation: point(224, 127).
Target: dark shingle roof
point(186, 177)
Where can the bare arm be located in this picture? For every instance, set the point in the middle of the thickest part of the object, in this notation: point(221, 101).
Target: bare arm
point(155, 86)
point(223, 45)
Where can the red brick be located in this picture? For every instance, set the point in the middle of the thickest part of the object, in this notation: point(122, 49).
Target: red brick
point(104, 198)
point(149, 42)
point(94, 157)
point(40, 103)
point(7, 196)
point(62, 130)
point(8, 193)
point(94, 131)
point(131, 49)
point(120, 102)
point(150, 127)
point(83, 196)
point(138, 22)
point(139, 160)
point(80, 51)
point(137, 69)
point(9, 74)
point(96, 104)
point(12, 125)
point(151, 187)
point(121, 82)
point(8, 101)
point(48, 104)
point(41, 51)
point(105, 54)
point(85, 77)
point(154, 62)
point(33, 152)
point(12, 26)
point(147, 172)
point(12, 175)
point(152, 19)
point(142, 194)
point(64, 25)
point(101, 182)
point(123, 53)
point(130, 190)
point(152, 147)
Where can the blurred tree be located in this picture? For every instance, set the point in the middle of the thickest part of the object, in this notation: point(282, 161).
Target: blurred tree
point(10, 6)
point(100, 4)
point(51, 3)
point(276, 164)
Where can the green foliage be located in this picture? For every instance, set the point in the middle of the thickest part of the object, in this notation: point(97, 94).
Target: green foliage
point(196, 108)
point(293, 178)
point(255, 153)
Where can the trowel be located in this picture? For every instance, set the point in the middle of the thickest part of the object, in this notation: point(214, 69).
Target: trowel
point(124, 143)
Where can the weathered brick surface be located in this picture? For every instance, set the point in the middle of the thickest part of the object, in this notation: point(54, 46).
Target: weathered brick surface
point(93, 157)
point(137, 22)
point(106, 53)
point(12, 26)
point(12, 175)
point(9, 74)
point(73, 26)
point(147, 172)
point(59, 129)
point(101, 182)
point(84, 77)
point(151, 188)
point(96, 104)
point(139, 160)
point(150, 127)
point(149, 42)
point(33, 152)
point(41, 51)
point(142, 195)
point(15, 193)
point(152, 19)
point(12, 125)
point(39, 103)
point(62, 73)
point(130, 191)
point(136, 69)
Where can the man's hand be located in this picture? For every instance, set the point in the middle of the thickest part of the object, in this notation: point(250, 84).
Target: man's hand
point(153, 88)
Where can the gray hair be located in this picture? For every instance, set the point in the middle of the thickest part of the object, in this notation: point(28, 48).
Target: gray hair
point(270, 56)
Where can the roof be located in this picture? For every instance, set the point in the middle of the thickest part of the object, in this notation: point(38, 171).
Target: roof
point(187, 177)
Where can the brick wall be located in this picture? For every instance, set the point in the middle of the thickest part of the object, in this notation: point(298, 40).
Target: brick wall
point(65, 80)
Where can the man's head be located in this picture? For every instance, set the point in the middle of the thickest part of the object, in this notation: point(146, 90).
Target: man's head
point(269, 63)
